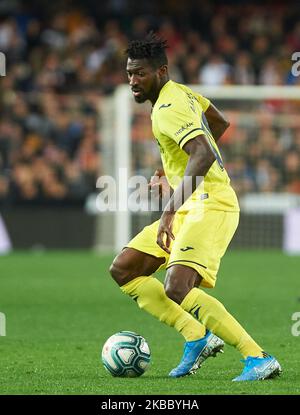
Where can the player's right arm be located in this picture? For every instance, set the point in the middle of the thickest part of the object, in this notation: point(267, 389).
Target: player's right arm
point(218, 124)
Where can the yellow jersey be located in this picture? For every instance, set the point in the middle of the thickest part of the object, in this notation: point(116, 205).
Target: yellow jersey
point(177, 117)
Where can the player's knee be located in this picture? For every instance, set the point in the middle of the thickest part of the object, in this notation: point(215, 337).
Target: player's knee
point(119, 272)
point(198, 280)
point(179, 281)
point(114, 271)
point(174, 291)
point(173, 294)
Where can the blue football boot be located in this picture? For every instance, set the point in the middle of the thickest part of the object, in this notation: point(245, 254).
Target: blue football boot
point(259, 368)
point(195, 353)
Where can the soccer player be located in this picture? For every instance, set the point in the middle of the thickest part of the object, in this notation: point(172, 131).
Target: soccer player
point(196, 225)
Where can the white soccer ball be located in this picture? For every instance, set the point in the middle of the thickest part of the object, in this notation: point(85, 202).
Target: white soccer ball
point(126, 354)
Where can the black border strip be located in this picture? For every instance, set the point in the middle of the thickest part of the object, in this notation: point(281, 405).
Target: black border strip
point(184, 260)
point(195, 129)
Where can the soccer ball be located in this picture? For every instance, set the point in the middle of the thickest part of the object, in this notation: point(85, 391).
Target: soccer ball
point(126, 354)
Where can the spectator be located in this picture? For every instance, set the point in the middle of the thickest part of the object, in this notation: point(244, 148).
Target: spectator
point(215, 72)
point(243, 73)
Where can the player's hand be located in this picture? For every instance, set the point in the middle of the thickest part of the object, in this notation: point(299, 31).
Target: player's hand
point(165, 231)
point(159, 184)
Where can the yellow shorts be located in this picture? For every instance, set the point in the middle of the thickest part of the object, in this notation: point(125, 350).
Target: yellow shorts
point(200, 241)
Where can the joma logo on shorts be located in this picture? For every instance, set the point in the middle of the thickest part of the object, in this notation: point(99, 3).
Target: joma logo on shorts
point(186, 248)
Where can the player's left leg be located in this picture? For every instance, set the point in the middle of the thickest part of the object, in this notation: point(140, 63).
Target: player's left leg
point(212, 313)
point(208, 310)
point(179, 281)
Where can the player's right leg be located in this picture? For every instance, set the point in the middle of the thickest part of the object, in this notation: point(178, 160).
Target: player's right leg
point(132, 270)
point(150, 296)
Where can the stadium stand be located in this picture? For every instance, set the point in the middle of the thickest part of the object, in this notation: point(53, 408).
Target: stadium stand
point(62, 57)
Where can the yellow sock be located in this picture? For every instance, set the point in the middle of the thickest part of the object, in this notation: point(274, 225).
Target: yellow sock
point(216, 318)
point(151, 297)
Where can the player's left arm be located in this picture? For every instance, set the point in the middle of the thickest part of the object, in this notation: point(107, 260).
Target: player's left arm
point(218, 124)
point(201, 157)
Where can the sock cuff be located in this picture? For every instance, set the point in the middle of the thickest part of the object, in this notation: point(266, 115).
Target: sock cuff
point(131, 286)
point(189, 300)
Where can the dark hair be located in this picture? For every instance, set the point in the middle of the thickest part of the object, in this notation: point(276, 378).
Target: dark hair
point(152, 48)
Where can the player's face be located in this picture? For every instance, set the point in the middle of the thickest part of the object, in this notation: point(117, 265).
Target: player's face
point(143, 79)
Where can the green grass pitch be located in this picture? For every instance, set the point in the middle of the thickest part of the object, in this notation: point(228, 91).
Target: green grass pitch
point(60, 307)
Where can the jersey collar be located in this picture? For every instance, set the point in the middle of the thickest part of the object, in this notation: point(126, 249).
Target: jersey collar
point(163, 89)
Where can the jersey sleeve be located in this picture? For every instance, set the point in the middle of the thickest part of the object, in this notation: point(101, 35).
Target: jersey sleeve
point(204, 102)
point(182, 122)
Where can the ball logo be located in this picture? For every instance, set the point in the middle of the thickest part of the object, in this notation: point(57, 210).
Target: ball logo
point(2, 64)
point(296, 65)
point(2, 324)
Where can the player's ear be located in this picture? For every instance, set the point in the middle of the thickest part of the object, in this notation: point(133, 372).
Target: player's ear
point(163, 71)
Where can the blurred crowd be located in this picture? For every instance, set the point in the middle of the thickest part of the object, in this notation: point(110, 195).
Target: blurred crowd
point(260, 149)
point(265, 156)
point(49, 148)
point(63, 56)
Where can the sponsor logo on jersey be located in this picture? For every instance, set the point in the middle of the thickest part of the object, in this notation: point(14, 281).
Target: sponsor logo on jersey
point(184, 127)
